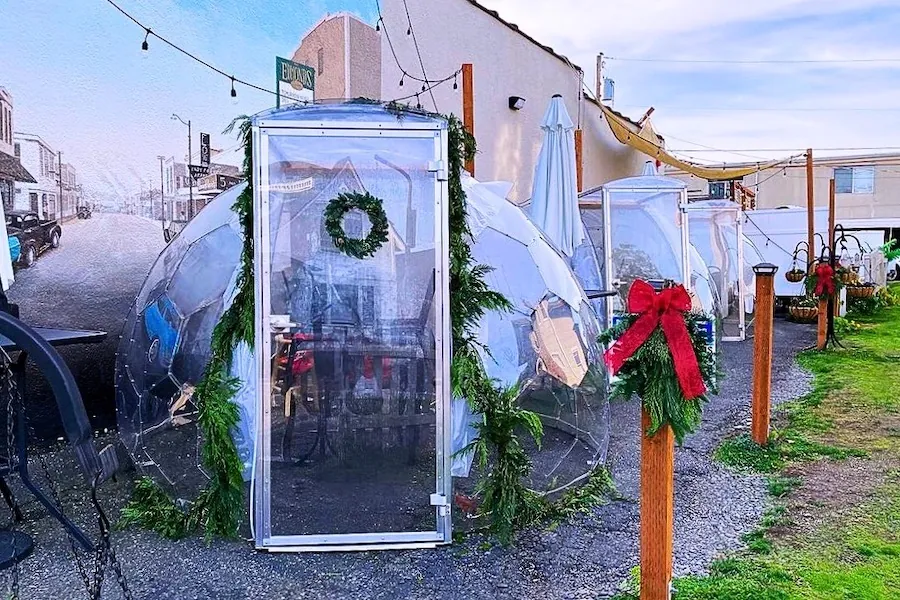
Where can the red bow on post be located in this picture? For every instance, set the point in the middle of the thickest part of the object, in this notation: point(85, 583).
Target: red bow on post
point(824, 280)
point(667, 309)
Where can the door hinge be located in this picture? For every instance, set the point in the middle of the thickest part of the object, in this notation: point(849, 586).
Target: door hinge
point(439, 167)
point(441, 502)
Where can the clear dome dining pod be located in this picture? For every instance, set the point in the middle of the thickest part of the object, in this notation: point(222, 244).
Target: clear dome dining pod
point(639, 229)
point(348, 434)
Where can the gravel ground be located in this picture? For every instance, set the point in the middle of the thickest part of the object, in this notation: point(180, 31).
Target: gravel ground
point(584, 559)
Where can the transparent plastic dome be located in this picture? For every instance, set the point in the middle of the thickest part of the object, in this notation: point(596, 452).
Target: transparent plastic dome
point(646, 237)
point(165, 347)
point(547, 345)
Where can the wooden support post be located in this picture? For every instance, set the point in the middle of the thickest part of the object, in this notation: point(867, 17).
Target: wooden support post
point(468, 89)
point(657, 510)
point(579, 159)
point(810, 209)
point(762, 352)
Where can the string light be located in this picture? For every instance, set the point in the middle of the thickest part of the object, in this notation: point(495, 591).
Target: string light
point(401, 79)
point(455, 84)
point(378, 25)
point(145, 47)
point(233, 92)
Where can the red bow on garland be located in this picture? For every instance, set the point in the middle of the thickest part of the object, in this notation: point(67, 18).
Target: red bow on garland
point(824, 280)
point(667, 309)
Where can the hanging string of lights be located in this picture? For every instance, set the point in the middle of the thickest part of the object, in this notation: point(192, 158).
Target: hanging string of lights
point(381, 26)
point(412, 32)
point(145, 47)
point(427, 84)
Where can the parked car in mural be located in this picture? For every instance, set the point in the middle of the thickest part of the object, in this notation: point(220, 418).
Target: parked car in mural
point(33, 234)
point(161, 320)
point(15, 248)
point(84, 212)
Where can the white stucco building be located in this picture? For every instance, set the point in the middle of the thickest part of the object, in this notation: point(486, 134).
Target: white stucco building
point(506, 62)
point(41, 160)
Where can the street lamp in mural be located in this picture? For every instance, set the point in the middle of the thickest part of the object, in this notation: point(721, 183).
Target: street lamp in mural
point(295, 82)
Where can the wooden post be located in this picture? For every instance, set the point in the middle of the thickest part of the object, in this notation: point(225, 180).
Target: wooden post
point(762, 352)
point(579, 158)
point(468, 89)
point(657, 510)
point(810, 209)
point(822, 325)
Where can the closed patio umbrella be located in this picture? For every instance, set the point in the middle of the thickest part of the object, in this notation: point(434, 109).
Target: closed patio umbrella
point(554, 197)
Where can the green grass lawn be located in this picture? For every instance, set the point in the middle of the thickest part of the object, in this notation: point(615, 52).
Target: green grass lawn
point(839, 548)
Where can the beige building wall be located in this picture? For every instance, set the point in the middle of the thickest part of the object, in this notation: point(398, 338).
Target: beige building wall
point(787, 186)
point(323, 50)
point(347, 66)
point(505, 63)
point(364, 52)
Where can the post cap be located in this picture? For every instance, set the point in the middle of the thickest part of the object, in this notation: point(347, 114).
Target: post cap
point(765, 269)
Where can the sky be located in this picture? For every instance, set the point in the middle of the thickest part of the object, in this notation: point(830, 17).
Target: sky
point(79, 80)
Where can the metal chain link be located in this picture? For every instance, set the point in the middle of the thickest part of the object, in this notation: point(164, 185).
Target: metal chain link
point(11, 390)
point(104, 555)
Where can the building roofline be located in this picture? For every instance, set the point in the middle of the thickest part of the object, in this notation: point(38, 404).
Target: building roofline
point(515, 28)
point(32, 136)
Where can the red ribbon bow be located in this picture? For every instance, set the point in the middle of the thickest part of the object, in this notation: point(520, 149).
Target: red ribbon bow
point(824, 280)
point(666, 309)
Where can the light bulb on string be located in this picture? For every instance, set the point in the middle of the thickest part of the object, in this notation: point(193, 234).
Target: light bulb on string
point(409, 30)
point(402, 77)
point(455, 84)
point(784, 172)
point(378, 24)
point(423, 87)
point(145, 47)
point(234, 98)
point(418, 103)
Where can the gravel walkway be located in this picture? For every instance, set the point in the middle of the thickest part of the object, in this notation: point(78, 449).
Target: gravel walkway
point(584, 559)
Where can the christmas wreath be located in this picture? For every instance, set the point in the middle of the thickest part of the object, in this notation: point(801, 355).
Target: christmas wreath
point(659, 353)
point(369, 204)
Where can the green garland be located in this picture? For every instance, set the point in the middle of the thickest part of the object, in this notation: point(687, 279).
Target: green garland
point(650, 375)
point(369, 204)
point(812, 280)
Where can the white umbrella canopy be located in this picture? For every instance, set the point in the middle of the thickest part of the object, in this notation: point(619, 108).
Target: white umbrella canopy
point(554, 196)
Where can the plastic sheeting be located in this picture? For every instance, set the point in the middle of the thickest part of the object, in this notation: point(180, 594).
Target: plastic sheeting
point(547, 345)
point(166, 345)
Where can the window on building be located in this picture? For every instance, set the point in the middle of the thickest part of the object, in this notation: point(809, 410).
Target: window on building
point(17, 150)
point(718, 190)
point(854, 180)
point(321, 60)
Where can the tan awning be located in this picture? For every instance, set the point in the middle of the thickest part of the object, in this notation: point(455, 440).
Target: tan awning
point(643, 138)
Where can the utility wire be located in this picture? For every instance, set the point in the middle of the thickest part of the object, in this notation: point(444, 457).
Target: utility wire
point(412, 32)
point(832, 149)
point(771, 109)
point(755, 62)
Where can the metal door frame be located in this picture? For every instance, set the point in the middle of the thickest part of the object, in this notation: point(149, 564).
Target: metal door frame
point(442, 533)
point(742, 286)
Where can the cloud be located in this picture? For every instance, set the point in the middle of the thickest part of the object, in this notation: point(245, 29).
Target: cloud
point(684, 94)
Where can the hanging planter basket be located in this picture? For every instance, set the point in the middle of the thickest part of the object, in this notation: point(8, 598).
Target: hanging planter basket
point(848, 276)
point(795, 275)
point(861, 291)
point(803, 314)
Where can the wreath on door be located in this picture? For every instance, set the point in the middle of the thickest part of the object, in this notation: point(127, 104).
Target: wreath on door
point(334, 224)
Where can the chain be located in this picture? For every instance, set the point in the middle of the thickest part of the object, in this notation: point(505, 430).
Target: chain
point(11, 391)
point(104, 554)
